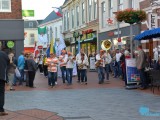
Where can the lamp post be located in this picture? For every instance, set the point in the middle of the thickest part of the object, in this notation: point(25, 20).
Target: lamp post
point(118, 28)
point(75, 35)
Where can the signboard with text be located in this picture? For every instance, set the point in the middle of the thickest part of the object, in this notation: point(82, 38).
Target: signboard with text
point(153, 20)
point(132, 73)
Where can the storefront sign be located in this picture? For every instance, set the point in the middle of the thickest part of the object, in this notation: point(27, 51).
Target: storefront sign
point(153, 20)
point(113, 33)
point(28, 13)
point(10, 44)
point(40, 47)
point(131, 71)
point(110, 21)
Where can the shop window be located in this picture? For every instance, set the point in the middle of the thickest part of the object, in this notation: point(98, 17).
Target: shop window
point(5, 5)
point(30, 24)
point(32, 39)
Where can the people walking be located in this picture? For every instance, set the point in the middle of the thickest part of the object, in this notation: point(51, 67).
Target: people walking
point(11, 71)
point(118, 55)
point(82, 66)
point(62, 62)
point(21, 64)
point(107, 60)
point(100, 64)
point(32, 67)
point(69, 67)
point(4, 62)
point(52, 63)
point(40, 64)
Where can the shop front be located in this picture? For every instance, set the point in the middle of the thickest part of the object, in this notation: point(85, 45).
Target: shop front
point(88, 42)
point(123, 40)
point(12, 36)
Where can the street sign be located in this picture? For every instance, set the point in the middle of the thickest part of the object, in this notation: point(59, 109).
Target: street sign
point(153, 20)
point(28, 13)
point(40, 47)
point(10, 44)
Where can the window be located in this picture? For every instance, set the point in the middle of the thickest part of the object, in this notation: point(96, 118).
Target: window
point(83, 13)
point(72, 18)
point(61, 29)
point(77, 11)
point(67, 20)
point(30, 24)
point(103, 13)
point(120, 4)
point(95, 9)
point(89, 9)
point(131, 3)
point(110, 8)
point(5, 5)
point(32, 39)
point(55, 32)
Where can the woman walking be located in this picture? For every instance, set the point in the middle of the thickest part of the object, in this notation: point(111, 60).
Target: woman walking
point(32, 67)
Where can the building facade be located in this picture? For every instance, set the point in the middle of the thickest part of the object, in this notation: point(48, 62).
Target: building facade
point(53, 23)
point(152, 8)
point(110, 29)
point(80, 23)
point(11, 26)
point(30, 35)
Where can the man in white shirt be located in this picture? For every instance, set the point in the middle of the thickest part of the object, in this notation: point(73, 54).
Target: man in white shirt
point(78, 57)
point(107, 60)
point(118, 55)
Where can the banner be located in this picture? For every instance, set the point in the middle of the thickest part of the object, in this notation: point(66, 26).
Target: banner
point(92, 63)
point(132, 73)
point(28, 13)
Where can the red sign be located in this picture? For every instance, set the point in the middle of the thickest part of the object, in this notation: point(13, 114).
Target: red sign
point(110, 21)
point(87, 31)
point(110, 33)
point(40, 47)
point(119, 39)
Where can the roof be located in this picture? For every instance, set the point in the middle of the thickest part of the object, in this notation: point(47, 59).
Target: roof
point(30, 24)
point(51, 16)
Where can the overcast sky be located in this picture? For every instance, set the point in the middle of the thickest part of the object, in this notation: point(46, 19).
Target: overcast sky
point(42, 7)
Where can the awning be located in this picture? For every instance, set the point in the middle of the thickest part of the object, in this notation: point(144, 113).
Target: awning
point(148, 34)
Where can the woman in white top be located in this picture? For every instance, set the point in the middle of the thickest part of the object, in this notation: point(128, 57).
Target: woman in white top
point(69, 67)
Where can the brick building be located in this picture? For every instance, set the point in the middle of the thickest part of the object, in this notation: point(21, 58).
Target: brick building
point(152, 7)
point(11, 26)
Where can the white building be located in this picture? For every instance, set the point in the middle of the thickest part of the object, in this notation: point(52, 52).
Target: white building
point(108, 26)
point(53, 23)
point(81, 17)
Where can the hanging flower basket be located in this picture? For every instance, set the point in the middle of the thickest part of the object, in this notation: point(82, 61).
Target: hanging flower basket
point(131, 16)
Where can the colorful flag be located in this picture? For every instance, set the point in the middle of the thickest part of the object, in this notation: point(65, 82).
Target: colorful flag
point(52, 46)
point(61, 44)
point(42, 34)
point(57, 11)
point(35, 49)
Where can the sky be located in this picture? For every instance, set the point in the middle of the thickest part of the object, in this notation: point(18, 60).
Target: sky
point(42, 8)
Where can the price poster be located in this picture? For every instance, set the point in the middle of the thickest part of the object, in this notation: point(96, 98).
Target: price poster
point(132, 73)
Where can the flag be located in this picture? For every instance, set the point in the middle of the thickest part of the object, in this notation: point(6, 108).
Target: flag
point(62, 44)
point(42, 34)
point(35, 49)
point(52, 47)
point(57, 11)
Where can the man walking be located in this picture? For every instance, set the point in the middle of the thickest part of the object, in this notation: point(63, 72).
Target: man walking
point(21, 64)
point(4, 62)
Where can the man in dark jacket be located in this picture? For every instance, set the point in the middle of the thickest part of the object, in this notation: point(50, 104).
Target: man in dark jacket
point(4, 62)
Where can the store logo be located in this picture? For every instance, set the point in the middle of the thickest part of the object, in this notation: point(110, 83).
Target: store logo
point(145, 111)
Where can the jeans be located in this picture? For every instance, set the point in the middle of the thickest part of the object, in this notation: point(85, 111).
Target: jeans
point(2, 93)
point(69, 75)
point(45, 70)
point(83, 75)
point(63, 70)
point(143, 78)
point(107, 71)
point(119, 69)
point(22, 76)
point(52, 77)
point(100, 74)
point(31, 75)
point(79, 74)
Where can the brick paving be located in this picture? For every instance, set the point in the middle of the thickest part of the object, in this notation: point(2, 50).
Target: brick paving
point(109, 101)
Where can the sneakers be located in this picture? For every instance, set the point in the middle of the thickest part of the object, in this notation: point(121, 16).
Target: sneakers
point(3, 113)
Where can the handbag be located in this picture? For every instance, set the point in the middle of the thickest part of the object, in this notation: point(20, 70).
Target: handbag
point(18, 74)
